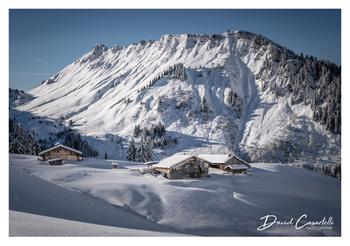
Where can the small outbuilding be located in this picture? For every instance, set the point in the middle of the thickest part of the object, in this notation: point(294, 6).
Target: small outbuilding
point(236, 168)
point(225, 160)
point(114, 165)
point(182, 166)
point(56, 161)
point(61, 151)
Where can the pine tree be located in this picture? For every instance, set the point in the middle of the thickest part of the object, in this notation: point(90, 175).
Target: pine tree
point(32, 145)
point(148, 154)
point(74, 140)
point(18, 144)
point(11, 125)
point(131, 151)
point(137, 131)
point(11, 130)
point(36, 148)
point(144, 151)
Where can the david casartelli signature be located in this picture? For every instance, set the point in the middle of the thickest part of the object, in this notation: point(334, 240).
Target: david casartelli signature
point(302, 222)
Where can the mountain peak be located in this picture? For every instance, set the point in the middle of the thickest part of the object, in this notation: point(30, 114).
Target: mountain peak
point(100, 48)
point(96, 52)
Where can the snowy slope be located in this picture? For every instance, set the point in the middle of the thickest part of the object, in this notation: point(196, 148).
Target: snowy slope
point(28, 225)
point(40, 208)
point(221, 204)
point(219, 102)
point(18, 97)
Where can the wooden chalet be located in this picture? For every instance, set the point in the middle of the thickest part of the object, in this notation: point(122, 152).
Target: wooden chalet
point(182, 166)
point(60, 152)
point(226, 162)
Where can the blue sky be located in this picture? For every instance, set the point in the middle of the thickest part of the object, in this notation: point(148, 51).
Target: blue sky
point(44, 41)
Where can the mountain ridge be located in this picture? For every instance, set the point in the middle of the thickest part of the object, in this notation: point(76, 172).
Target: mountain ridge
point(236, 91)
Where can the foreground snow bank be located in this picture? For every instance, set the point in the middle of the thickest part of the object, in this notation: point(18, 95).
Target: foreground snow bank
point(40, 208)
point(217, 205)
point(26, 224)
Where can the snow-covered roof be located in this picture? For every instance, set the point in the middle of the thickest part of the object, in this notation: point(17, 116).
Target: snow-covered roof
point(236, 167)
point(215, 158)
point(61, 146)
point(242, 161)
point(172, 161)
point(219, 158)
point(151, 162)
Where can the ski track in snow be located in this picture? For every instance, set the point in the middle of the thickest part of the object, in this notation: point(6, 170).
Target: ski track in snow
point(241, 198)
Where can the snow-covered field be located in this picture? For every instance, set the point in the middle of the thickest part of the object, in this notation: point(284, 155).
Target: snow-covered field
point(28, 224)
point(40, 208)
point(126, 202)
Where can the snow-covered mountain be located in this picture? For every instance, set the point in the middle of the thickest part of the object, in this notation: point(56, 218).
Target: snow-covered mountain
point(18, 97)
point(236, 91)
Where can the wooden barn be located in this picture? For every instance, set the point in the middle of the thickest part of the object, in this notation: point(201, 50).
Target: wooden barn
point(182, 166)
point(226, 162)
point(61, 152)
